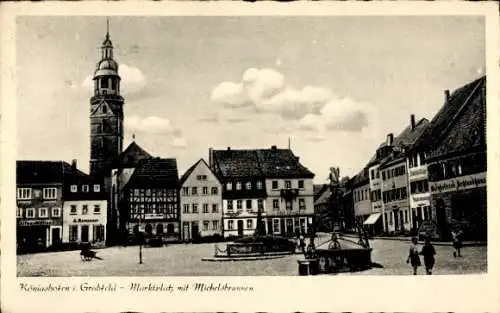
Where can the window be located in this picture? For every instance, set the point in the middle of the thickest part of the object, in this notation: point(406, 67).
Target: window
point(230, 224)
point(302, 204)
point(73, 233)
point(249, 224)
point(239, 205)
point(215, 225)
point(229, 186)
point(201, 177)
point(97, 209)
point(19, 212)
point(259, 185)
point(24, 193)
point(377, 174)
point(301, 184)
point(372, 174)
point(276, 204)
point(85, 188)
point(44, 212)
point(194, 191)
point(288, 184)
point(185, 191)
point(74, 188)
point(248, 186)
point(49, 193)
point(195, 207)
point(249, 205)
point(85, 209)
point(56, 212)
point(205, 190)
point(215, 208)
point(215, 191)
point(205, 208)
point(205, 225)
point(98, 232)
point(288, 205)
point(30, 213)
point(97, 188)
point(274, 184)
point(390, 218)
point(383, 175)
point(230, 205)
point(260, 204)
point(406, 216)
point(276, 226)
point(238, 185)
point(185, 208)
point(72, 210)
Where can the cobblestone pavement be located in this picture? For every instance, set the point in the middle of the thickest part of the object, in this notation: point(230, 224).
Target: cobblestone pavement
point(185, 260)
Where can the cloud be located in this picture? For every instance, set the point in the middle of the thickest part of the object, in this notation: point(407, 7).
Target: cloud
point(314, 108)
point(132, 80)
point(179, 143)
point(151, 125)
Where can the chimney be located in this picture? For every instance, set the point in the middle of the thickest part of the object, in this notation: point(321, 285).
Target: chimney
point(412, 121)
point(390, 139)
point(446, 96)
point(73, 165)
point(228, 148)
point(210, 157)
point(273, 147)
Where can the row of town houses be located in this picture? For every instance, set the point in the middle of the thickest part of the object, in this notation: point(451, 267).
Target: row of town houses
point(57, 203)
point(433, 171)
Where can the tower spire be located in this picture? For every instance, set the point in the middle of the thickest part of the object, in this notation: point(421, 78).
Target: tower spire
point(107, 27)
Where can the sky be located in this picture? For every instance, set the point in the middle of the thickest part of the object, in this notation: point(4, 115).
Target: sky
point(336, 86)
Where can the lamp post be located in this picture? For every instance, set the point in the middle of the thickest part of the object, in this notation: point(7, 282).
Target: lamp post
point(140, 237)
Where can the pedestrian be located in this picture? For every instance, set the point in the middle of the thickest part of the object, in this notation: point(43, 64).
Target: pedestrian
point(428, 252)
point(457, 242)
point(302, 243)
point(413, 255)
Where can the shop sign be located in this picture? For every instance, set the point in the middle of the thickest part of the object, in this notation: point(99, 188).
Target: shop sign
point(152, 216)
point(459, 183)
point(420, 200)
point(85, 220)
point(418, 173)
point(35, 222)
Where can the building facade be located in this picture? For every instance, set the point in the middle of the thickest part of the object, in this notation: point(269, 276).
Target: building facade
point(457, 165)
point(151, 203)
point(419, 193)
point(39, 203)
point(85, 210)
point(269, 182)
point(201, 202)
point(360, 186)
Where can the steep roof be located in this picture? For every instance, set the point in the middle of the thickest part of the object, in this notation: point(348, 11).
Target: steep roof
point(41, 172)
point(360, 178)
point(155, 173)
point(324, 198)
point(272, 163)
point(131, 156)
point(190, 170)
point(446, 117)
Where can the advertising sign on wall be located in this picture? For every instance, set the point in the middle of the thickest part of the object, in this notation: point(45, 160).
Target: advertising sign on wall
point(459, 183)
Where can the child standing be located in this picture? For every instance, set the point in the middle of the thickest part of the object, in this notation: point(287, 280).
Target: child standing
point(428, 252)
point(413, 256)
point(457, 242)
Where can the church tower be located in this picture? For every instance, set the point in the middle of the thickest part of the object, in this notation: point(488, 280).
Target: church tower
point(106, 111)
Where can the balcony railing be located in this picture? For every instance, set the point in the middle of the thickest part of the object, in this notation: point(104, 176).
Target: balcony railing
point(289, 193)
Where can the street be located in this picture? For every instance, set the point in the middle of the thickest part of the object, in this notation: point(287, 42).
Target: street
point(185, 260)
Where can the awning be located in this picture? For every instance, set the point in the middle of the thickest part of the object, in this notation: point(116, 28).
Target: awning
point(372, 219)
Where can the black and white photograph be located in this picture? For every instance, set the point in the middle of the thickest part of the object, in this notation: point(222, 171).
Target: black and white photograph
point(227, 146)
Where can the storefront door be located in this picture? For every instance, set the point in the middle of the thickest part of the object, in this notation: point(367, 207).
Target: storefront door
point(56, 236)
point(240, 227)
point(85, 233)
point(289, 226)
point(185, 231)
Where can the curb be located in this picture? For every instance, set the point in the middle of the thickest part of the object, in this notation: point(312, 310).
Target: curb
point(226, 259)
point(435, 243)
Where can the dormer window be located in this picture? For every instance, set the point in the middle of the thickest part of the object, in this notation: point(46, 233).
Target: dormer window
point(248, 186)
point(85, 188)
point(104, 109)
point(74, 188)
point(229, 186)
point(238, 185)
point(97, 188)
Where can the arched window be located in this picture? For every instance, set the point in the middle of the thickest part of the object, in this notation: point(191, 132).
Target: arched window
point(149, 229)
point(104, 82)
point(159, 229)
point(170, 229)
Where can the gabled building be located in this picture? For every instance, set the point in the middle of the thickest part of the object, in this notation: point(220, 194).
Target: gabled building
point(84, 209)
point(269, 181)
point(243, 189)
point(39, 203)
point(360, 186)
point(201, 202)
point(395, 185)
point(322, 207)
point(456, 157)
point(121, 171)
point(151, 199)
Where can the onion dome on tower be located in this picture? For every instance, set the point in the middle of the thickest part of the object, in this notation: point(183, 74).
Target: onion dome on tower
point(106, 78)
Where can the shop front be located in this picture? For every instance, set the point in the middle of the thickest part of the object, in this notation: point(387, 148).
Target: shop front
point(85, 222)
point(34, 235)
point(461, 202)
